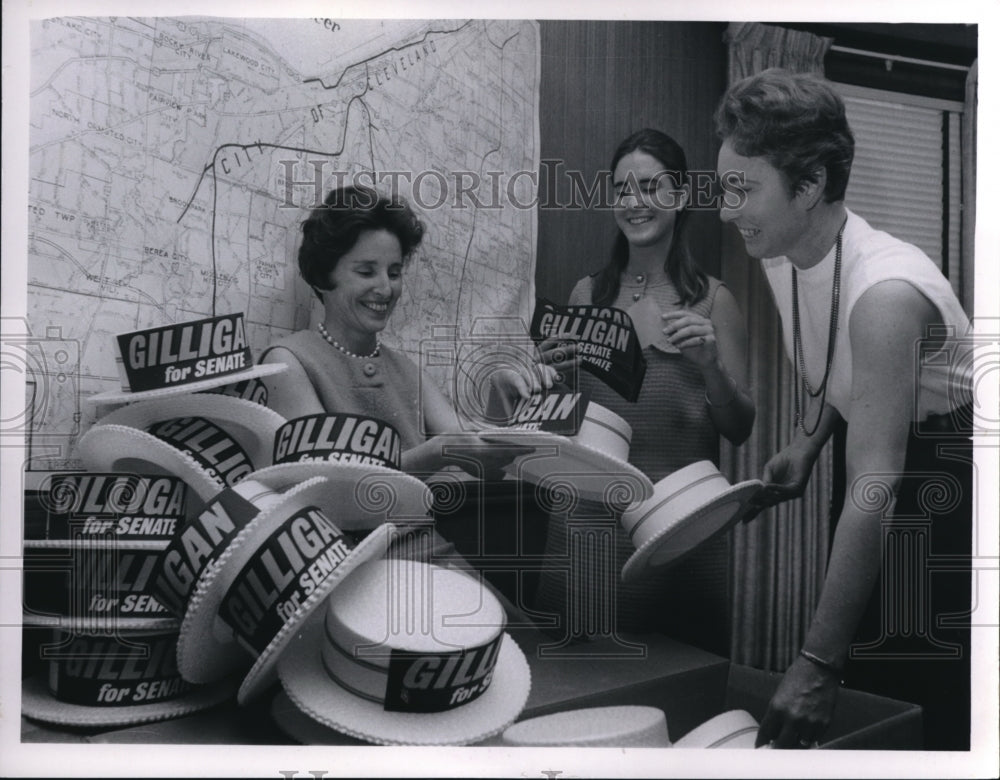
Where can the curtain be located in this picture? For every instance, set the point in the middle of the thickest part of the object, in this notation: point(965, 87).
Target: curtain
point(969, 117)
point(779, 559)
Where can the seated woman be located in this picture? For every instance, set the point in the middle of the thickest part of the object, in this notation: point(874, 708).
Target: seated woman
point(353, 251)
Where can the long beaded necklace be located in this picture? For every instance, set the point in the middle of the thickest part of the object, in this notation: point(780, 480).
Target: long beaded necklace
point(798, 360)
point(334, 343)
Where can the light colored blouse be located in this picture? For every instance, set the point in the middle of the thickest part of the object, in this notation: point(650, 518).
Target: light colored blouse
point(871, 256)
point(386, 387)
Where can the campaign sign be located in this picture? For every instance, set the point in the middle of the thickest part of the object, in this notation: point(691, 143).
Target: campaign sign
point(551, 412)
point(123, 507)
point(606, 342)
point(183, 353)
point(435, 682)
point(342, 438)
point(291, 564)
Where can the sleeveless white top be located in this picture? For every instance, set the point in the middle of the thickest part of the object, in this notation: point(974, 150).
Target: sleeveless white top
point(871, 256)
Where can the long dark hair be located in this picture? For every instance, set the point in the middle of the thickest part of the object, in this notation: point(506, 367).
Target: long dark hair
point(691, 282)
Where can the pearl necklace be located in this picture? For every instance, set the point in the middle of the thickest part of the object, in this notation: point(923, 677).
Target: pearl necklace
point(334, 343)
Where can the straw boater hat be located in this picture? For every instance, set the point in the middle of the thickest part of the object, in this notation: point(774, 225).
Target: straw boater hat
point(732, 729)
point(88, 574)
point(210, 441)
point(361, 456)
point(186, 357)
point(594, 460)
point(193, 551)
point(408, 653)
point(623, 726)
point(123, 678)
point(89, 566)
point(273, 573)
point(688, 507)
point(298, 726)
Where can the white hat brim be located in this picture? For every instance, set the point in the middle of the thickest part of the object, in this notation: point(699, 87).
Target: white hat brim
point(124, 449)
point(252, 425)
point(675, 540)
point(627, 725)
point(99, 623)
point(364, 497)
point(731, 729)
point(264, 670)
point(125, 396)
point(99, 543)
point(433, 454)
point(594, 475)
point(37, 702)
point(295, 724)
point(207, 650)
point(311, 689)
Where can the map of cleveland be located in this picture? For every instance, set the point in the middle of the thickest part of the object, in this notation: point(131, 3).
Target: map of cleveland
point(172, 160)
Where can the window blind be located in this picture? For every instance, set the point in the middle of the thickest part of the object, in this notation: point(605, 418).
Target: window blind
point(897, 178)
point(907, 174)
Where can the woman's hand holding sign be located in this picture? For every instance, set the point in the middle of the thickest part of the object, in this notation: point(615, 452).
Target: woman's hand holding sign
point(558, 354)
point(553, 357)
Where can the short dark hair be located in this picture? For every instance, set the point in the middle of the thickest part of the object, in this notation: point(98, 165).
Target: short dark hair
point(331, 230)
point(796, 121)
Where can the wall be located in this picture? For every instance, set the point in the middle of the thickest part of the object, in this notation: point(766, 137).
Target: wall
point(600, 81)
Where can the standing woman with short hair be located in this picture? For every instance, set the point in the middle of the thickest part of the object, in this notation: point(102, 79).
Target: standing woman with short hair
point(857, 306)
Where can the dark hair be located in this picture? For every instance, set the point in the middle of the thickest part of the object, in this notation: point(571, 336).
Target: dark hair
point(691, 282)
point(796, 121)
point(331, 230)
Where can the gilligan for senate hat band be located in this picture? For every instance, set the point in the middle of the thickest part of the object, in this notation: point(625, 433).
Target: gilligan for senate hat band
point(88, 563)
point(111, 652)
point(210, 441)
point(361, 456)
point(408, 653)
point(121, 679)
point(593, 462)
point(277, 569)
point(185, 357)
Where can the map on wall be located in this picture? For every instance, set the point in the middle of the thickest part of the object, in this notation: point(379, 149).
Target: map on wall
point(172, 160)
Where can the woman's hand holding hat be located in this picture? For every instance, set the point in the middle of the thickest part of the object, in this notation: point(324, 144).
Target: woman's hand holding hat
point(510, 385)
point(553, 357)
point(785, 477)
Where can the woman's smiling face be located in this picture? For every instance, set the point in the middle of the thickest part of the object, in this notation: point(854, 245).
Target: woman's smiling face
point(647, 200)
point(770, 217)
point(364, 287)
